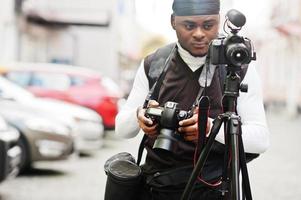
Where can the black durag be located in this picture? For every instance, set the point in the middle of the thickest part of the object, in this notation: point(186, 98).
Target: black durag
point(195, 7)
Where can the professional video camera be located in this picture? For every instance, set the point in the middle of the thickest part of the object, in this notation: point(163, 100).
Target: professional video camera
point(232, 50)
point(168, 118)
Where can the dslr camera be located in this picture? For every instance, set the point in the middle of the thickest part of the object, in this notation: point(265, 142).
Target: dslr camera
point(232, 50)
point(168, 118)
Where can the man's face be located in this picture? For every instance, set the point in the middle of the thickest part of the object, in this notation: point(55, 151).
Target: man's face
point(196, 32)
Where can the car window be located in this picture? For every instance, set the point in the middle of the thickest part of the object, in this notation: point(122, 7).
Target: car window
point(21, 78)
point(51, 81)
point(77, 81)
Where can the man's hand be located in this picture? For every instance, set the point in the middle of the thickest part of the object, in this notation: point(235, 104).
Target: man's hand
point(145, 123)
point(189, 127)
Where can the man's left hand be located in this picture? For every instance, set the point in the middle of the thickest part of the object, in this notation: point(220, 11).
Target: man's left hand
point(189, 127)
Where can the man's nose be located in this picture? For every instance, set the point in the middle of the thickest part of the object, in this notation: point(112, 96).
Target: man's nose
point(198, 33)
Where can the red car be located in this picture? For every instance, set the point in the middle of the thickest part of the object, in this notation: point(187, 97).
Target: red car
point(78, 85)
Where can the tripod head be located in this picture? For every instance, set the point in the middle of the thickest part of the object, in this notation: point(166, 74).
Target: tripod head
point(232, 87)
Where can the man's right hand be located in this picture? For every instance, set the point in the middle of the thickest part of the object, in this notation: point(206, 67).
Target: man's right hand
point(146, 124)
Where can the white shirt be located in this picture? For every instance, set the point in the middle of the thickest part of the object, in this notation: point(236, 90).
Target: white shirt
point(249, 107)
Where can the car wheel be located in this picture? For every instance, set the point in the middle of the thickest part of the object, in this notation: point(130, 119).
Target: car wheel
point(25, 155)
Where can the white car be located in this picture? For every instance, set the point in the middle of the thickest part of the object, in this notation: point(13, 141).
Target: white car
point(86, 124)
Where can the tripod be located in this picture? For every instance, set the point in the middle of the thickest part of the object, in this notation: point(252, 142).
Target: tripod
point(233, 142)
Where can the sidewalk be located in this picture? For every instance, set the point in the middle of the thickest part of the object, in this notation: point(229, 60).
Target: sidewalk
point(276, 174)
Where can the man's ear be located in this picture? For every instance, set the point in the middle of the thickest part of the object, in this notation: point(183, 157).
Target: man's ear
point(172, 21)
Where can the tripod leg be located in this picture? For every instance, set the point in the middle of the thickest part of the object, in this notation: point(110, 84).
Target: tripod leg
point(202, 158)
point(234, 141)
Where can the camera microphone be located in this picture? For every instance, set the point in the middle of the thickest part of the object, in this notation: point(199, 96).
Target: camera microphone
point(236, 18)
point(232, 50)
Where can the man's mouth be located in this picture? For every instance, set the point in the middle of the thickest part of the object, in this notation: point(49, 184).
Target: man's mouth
point(199, 44)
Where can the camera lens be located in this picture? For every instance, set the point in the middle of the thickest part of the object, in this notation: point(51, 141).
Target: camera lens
point(166, 140)
point(238, 54)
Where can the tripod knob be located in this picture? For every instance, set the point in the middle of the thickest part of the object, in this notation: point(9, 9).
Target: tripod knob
point(244, 88)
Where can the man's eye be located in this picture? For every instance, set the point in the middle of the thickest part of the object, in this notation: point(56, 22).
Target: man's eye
point(189, 26)
point(207, 26)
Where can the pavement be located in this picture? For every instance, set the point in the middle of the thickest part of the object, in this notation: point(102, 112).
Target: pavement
point(275, 175)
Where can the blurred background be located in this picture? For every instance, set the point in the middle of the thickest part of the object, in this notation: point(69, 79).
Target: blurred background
point(67, 66)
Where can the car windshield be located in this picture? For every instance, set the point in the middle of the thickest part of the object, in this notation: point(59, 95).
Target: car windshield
point(21, 78)
point(14, 91)
point(51, 81)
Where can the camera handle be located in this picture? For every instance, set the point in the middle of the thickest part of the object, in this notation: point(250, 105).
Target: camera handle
point(233, 142)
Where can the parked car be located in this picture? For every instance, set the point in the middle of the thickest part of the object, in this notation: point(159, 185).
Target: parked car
point(42, 137)
point(86, 125)
point(10, 152)
point(73, 84)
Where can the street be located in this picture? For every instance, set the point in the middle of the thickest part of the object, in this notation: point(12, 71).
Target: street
point(273, 176)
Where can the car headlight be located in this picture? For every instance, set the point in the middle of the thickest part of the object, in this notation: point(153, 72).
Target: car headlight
point(38, 124)
point(96, 120)
point(85, 125)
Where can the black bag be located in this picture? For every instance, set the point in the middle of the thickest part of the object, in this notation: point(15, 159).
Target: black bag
point(124, 178)
point(170, 185)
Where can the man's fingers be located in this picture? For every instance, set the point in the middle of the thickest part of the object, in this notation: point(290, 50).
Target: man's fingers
point(191, 133)
point(153, 103)
point(152, 134)
point(150, 131)
point(146, 124)
point(190, 138)
point(147, 121)
point(143, 119)
point(190, 121)
point(149, 128)
point(188, 129)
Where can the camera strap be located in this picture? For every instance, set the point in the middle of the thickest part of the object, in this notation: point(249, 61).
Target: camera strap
point(203, 112)
point(140, 150)
point(153, 94)
point(154, 91)
point(203, 103)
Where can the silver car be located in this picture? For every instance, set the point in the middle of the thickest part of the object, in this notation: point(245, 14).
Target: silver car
point(42, 137)
point(10, 152)
point(86, 124)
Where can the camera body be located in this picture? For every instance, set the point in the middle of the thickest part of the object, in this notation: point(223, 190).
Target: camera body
point(232, 50)
point(168, 118)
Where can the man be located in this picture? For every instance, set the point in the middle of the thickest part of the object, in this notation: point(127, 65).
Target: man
point(196, 23)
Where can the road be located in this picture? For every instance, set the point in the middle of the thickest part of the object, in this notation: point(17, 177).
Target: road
point(274, 175)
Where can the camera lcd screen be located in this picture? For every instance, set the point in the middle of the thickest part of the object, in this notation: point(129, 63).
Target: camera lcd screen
point(154, 111)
